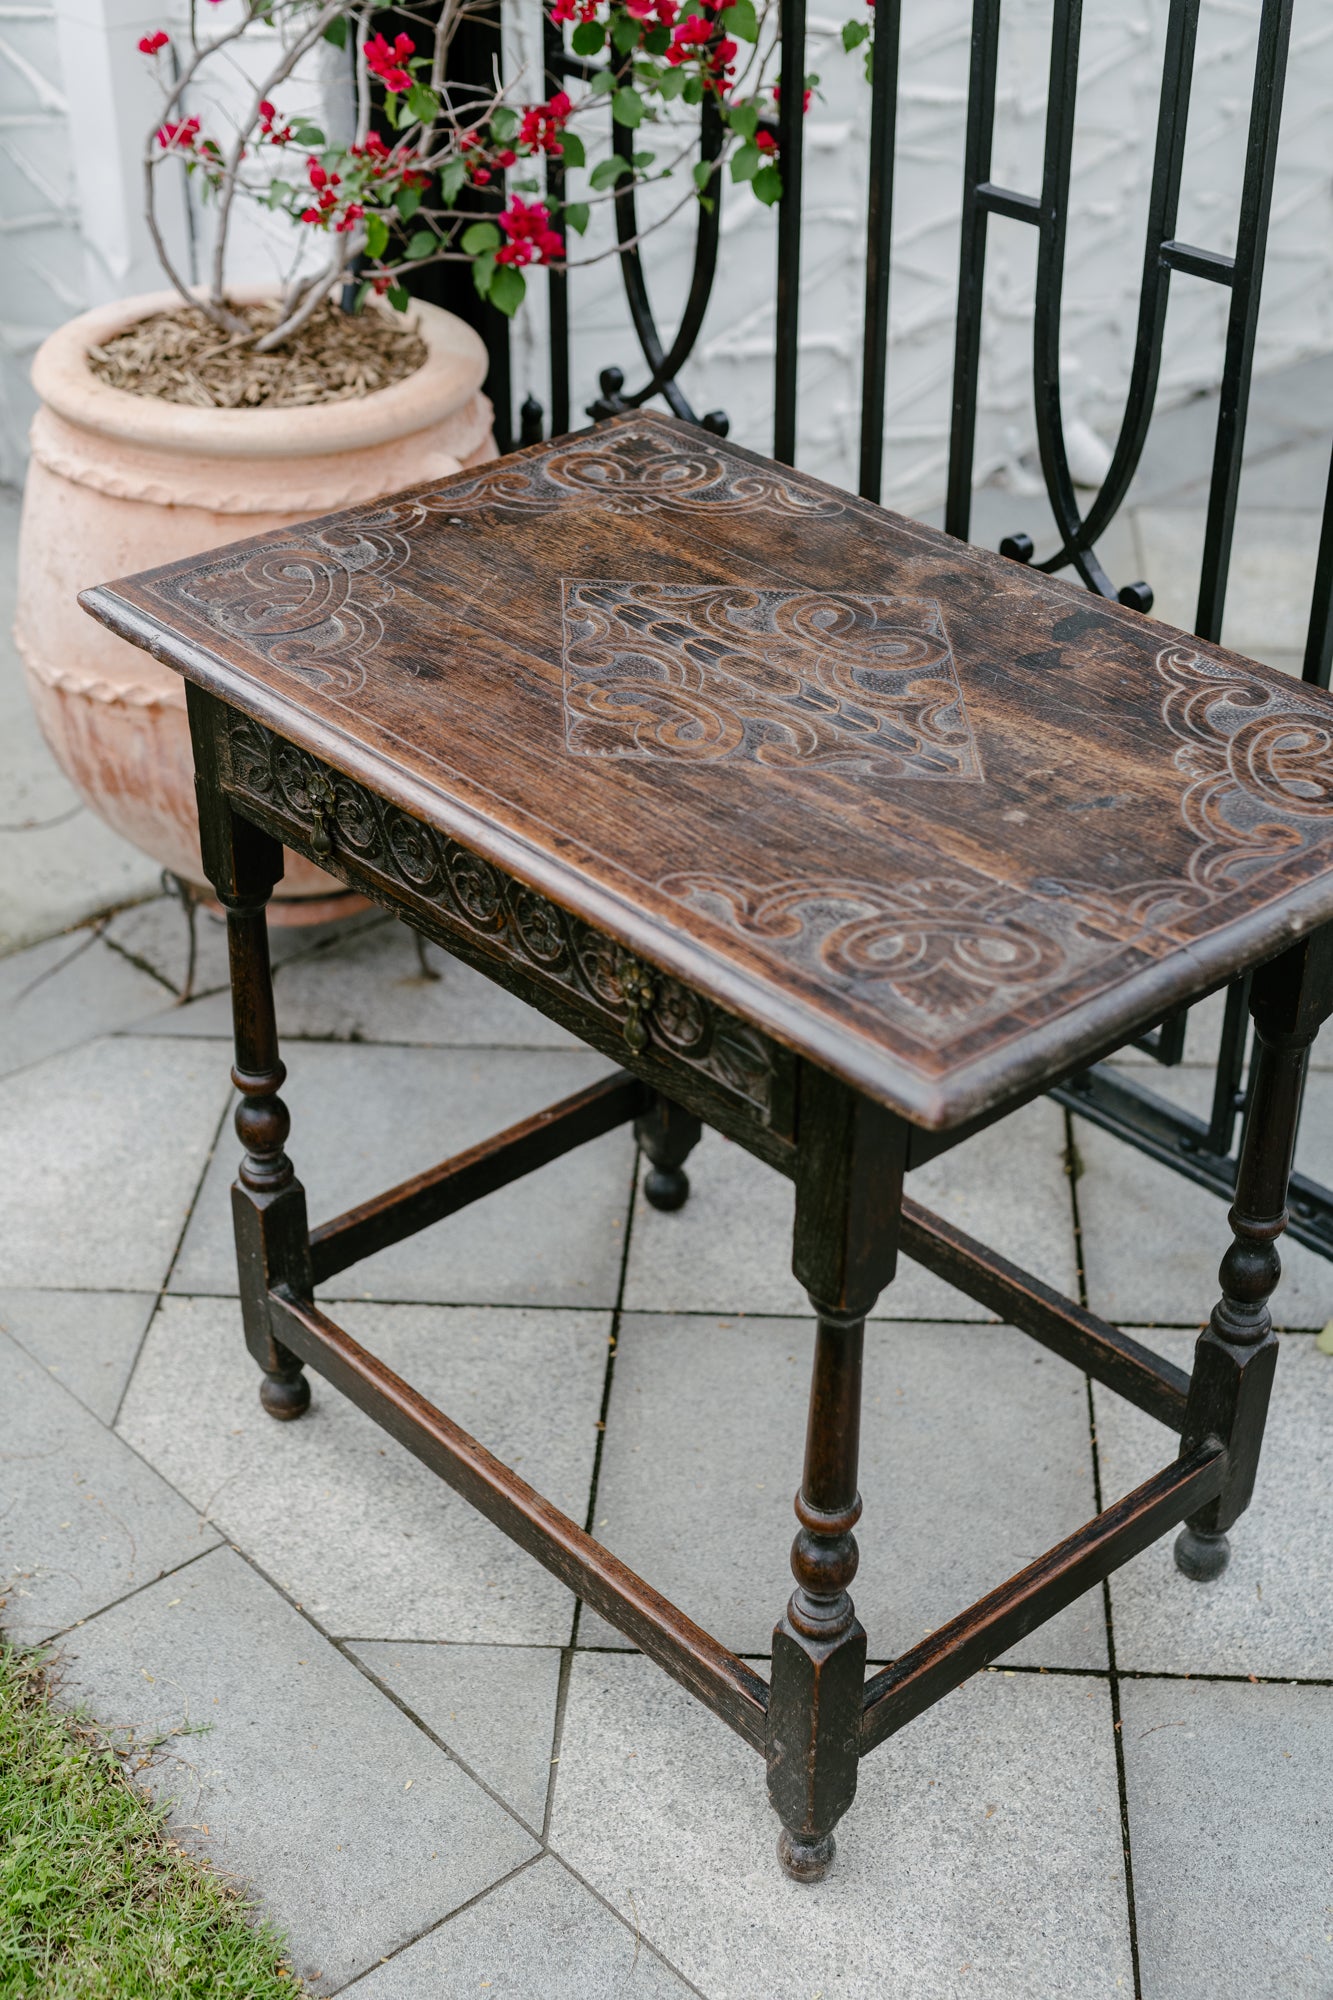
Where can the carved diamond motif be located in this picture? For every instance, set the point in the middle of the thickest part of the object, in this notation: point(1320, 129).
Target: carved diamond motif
point(699, 673)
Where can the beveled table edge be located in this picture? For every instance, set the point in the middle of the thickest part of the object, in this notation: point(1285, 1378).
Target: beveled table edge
point(1046, 1050)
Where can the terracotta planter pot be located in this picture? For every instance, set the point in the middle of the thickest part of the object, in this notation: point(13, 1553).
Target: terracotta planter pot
point(119, 483)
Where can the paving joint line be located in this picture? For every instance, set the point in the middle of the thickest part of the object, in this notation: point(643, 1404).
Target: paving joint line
point(1073, 1167)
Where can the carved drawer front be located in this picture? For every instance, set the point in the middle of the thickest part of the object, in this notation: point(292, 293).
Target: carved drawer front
point(329, 816)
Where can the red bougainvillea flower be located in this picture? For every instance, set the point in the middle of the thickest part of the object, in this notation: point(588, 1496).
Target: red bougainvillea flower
point(765, 141)
point(688, 36)
point(311, 215)
point(542, 123)
point(179, 136)
point(349, 218)
point(385, 60)
point(664, 11)
point(806, 95)
point(563, 10)
point(531, 237)
point(150, 44)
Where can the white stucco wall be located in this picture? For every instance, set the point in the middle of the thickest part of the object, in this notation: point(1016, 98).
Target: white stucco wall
point(69, 222)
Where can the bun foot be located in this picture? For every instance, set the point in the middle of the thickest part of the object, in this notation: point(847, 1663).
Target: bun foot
point(806, 1860)
point(667, 1187)
point(285, 1396)
point(1201, 1557)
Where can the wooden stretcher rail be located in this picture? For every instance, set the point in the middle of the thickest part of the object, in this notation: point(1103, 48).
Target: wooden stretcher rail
point(1108, 1355)
point(898, 1693)
point(692, 1656)
point(492, 1163)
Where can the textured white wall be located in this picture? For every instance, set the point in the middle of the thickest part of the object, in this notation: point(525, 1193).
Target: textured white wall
point(1121, 57)
point(48, 185)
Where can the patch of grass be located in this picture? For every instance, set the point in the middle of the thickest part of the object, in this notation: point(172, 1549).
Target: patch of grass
point(96, 1900)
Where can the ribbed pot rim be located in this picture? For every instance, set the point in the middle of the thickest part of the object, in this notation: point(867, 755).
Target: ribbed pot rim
point(453, 371)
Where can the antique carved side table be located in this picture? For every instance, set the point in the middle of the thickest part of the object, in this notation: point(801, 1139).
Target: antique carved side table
point(836, 834)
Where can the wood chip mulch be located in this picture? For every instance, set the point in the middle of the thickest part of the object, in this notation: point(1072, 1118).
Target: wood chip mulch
point(181, 357)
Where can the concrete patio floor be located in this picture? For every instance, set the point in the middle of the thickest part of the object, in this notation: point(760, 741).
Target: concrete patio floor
point(436, 1771)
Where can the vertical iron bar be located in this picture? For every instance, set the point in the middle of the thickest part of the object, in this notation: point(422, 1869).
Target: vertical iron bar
point(1251, 241)
point(557, 284)
point(1319, 642)
point(879, 229)
point(971, 266)
point(791, 137)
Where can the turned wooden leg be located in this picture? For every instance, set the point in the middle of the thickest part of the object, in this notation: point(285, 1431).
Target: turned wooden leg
point(268, 1202)
point(848, 1197)
point(668, 1136)
point(1236, 1354)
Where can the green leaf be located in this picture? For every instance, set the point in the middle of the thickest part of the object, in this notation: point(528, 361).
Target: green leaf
point(588, 38)
point(507, 289)
point(767, 185)
point(625, 33)
point(603, 82)
point(641, 160)
point(657, 42)
point(480, 237)
point(576, 216)
point(362, 293)
point(504, 124)
point(672, 84)
point(692, 91)
point(377, 235)
point(452, 178)
point(526, 187)
point(572, 153)
point(607, 172)
point(854, 33)
point(308, 135)
point(627, 108)
point(744, 119)
point(391, 110)
point(422, 103)
point(703, 174)
point(421, 243)
point(741, 21)
point(482, 273)
point(399, 298)
point(336, 32)
point(745, 163)
point(407, 201)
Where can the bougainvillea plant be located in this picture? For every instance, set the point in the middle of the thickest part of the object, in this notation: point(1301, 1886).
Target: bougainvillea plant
point(400, 190)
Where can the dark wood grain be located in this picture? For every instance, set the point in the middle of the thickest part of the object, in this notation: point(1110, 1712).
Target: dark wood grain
point(1068, 1329)
point(491, 1164)
point(939, 823)
point(713, 1675)
point(930, 1670)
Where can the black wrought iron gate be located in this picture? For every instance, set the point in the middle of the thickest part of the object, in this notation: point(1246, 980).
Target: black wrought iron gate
point(1202, 1149)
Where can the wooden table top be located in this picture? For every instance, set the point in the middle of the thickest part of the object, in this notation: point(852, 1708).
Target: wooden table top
point(940, 823)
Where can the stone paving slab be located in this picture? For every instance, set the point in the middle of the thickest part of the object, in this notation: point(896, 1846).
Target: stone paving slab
point(539, 1936)
point(353, 1828)
point(982, 1855)
point(364, 1118)
point(1231, 1824)
point(64, 991)
point(1268, 1613)
point(1272, 575)
point(493, 1706)
point(729, 1249)
point(101, 1150)
point(87, 1341)
point(345, 1519)
point(1152, 1241)
point(703, 1454)
point(83, 1521)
